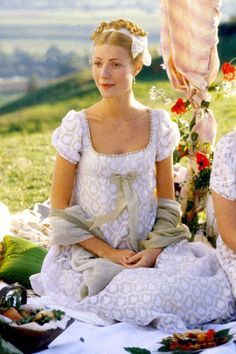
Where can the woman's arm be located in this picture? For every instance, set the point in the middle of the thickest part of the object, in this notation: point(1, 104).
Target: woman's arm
point(62, 183)
point(225, 211)
point(165, 178)
point(61, 192)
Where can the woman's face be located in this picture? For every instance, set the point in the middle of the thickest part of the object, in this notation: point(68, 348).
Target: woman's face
point(112, 70)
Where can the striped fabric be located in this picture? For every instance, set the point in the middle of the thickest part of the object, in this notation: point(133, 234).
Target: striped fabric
point(189, 36)
point(188, 41)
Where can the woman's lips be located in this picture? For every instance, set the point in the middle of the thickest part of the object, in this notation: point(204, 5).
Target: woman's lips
point(106, 86)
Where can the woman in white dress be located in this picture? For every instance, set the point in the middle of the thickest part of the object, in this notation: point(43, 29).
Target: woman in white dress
point(223, 185)
point(114, 171)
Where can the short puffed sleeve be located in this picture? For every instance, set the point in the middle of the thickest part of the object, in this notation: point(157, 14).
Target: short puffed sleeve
point(67, 138)
point(223, 175)
point(167, 135)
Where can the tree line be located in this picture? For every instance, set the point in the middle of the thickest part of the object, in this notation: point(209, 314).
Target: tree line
point(53, 64)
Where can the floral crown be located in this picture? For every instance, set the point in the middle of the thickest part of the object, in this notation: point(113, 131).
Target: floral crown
point(137, 35)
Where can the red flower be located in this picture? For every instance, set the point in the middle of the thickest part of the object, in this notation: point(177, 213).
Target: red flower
point(179, 107)
point(202, 161)
point(229, 71)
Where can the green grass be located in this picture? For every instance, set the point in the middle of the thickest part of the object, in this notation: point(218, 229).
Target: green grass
point(25, 169)
point(26, 155)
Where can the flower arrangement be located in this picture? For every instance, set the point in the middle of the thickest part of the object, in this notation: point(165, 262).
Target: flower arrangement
point(193, 157)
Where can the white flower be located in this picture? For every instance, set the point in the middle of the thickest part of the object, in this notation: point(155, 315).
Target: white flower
point(163, 66)
point(180, 173)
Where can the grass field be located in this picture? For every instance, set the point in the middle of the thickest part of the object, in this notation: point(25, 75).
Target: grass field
point(26, 155)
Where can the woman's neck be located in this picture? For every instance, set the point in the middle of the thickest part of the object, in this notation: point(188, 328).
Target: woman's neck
point(117, 107)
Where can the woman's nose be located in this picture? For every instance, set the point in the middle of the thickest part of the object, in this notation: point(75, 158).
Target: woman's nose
point(105, 72)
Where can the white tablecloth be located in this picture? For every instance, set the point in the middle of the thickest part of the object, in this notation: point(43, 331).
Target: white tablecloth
point(84, 338)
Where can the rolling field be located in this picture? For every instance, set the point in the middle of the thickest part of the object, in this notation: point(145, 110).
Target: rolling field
point(26, 155)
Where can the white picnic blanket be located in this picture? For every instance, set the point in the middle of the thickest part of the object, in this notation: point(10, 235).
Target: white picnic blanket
point(84, 338)
point(90, 334)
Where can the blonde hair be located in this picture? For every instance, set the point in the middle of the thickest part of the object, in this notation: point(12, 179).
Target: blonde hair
point(116, 38)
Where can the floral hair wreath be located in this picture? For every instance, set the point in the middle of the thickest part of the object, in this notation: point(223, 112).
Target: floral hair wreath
point(139, 44)
point(136, 33)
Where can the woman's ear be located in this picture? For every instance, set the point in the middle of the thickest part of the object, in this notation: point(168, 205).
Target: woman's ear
point(137, 68)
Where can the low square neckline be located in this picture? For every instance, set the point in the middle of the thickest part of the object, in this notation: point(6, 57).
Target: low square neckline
point(150, 111)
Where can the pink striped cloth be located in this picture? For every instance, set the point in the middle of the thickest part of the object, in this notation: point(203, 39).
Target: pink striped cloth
point(188, 42)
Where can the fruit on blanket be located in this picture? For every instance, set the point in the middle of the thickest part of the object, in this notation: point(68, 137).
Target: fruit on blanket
point(13, 314)
point(195, 340)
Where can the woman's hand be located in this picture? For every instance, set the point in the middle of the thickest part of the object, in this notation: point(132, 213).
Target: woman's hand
point(118, 255)
point(145, 258)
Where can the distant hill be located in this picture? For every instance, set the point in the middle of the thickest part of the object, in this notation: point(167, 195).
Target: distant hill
point(35, 25)
point(228, 6)
point(76, 85)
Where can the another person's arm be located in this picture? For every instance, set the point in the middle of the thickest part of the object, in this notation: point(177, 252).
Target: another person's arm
point(225, 211)
point(223, 188)
point(61, 192)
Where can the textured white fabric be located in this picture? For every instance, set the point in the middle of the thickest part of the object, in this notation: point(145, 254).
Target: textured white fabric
point(223, 176)
point(112, 339)
point(186, 288)
point(93, 189)
point(223, 181)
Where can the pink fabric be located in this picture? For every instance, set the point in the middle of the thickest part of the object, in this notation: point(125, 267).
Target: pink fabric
point(188, 41)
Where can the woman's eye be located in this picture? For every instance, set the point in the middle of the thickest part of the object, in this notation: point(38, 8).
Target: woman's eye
point(97, 63)
point(116, 65)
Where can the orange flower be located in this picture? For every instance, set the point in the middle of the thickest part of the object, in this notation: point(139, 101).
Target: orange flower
point(182, 150)
point(202, 161)
point(229, 71)
point(179, 107)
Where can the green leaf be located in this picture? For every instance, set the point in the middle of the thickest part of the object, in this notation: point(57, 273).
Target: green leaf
point(187, 103)
point(164, 349)
point(192, 123)
point(229, 337)
point(8, 348)
point(223, 333)
point(136, 350)
point(205, 104)
point(194, 136)
point(190, 205)
point(177, 156)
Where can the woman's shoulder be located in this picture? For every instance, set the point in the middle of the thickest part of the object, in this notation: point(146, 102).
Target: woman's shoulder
point(73, 116)
point(223, 175)
point(226, 148)
point(160, 114)
point(166, 133)
point(163, 122)
point(68, 137)
point(227, 141)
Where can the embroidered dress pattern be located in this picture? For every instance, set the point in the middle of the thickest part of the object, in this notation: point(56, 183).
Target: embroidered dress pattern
point(142, 295)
